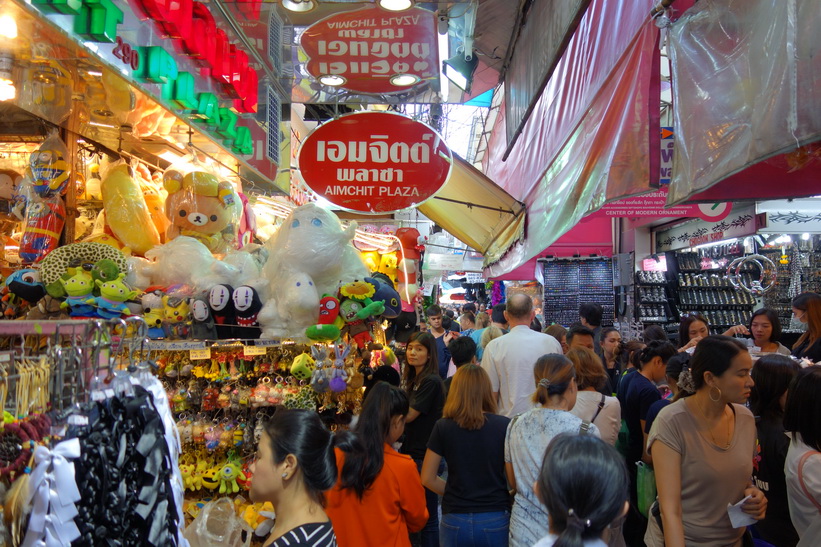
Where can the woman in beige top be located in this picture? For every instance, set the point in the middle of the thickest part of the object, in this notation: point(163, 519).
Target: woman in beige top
point(703, 447)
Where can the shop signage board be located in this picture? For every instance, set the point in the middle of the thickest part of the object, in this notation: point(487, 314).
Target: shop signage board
point(742, 222)
point(369, 47)
point(186, 60)
point(374, 162)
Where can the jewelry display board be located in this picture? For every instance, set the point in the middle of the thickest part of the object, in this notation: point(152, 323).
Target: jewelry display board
point(569, 283)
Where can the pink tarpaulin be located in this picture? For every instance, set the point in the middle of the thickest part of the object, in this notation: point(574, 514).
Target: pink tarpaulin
point(593, 132)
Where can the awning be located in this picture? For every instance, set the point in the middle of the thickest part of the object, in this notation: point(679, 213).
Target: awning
point(476, 211)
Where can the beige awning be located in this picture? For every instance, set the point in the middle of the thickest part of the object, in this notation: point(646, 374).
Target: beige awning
point(477, 211)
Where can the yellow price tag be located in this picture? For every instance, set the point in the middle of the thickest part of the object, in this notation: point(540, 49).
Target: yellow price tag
point(197, 354)
point(249, 351)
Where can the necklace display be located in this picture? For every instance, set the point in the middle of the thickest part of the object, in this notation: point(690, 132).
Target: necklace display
point(710, 430)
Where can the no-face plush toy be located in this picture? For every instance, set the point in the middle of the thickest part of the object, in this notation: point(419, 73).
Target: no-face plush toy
point(222, 309)
point(202, 324)
point(247, 305)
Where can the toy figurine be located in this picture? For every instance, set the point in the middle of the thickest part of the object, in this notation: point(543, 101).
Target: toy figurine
point(325, 330)
point(113, 294)
point(79, 286)
point(222, 310)
point(202, 325)
point(176, 317)
point(339, 376)
point(153, 314)
point(362, 291)
point(229, 474)
point(319, 378)
point(247, 305)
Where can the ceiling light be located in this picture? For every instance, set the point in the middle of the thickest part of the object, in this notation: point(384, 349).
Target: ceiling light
point(8, 27)
point(395, 5)
point(459, 71)
point(403, 80)
point(299, 6)
point(8, 91)
point(332, 80)
point(805, 237)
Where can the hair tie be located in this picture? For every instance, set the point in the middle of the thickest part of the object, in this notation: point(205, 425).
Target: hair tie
point(575, 521)
point(685, 381)
point(545, 383)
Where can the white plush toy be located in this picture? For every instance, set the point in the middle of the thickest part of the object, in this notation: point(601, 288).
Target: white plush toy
point(310, 245)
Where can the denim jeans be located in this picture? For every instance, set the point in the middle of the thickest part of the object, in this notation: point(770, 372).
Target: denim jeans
point(475, 529)
point(429, 536)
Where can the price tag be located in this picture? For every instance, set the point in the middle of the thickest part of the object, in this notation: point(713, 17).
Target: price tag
point(198, 354)
point(249, 351)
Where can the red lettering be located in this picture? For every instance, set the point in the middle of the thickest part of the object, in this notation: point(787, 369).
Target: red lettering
point(222, 57)
point(248, 104)
point(203, 34)
point(249, 8)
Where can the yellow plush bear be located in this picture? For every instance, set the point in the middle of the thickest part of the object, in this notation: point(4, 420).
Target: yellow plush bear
point(388, 265)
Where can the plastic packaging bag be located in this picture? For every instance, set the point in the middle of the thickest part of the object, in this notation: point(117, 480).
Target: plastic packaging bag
point(218, 525)
point(50, 167)
point(201, 204)
point(126, 211)
point(645, 487)
point(45, 219)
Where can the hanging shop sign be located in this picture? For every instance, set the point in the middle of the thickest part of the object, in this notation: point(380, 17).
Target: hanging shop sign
point(742, 222)
point(375, 162)
point(373, 50)
point(654, 204)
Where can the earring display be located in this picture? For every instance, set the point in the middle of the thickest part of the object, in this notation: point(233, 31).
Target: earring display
point(571, 282)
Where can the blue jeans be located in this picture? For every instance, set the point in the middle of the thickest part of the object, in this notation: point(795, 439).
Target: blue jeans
point(429, 536)
point(475, 529)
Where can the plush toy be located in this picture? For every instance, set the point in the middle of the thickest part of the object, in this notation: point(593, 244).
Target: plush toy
point(389, 266)
point(201, 206)
point(211, 478)
point(325, 330)
point(127, 214)
point(23, 288)
point(47, 308)
point(362, 291)
point(229, 474)
point(339, 376)
point(113, 294)
point(371, 260)
point(247, 305)
point(294, 308)
point(320, 376)
point(247, 223)
point(187, 473)
point(104, 270)
point(350, 324)
point(79, 286)
point(176, 317)
point(152, 307)
point(222, 310)
point(302, 367)
point(386, 294)
point(45, 220)
point(202, 325)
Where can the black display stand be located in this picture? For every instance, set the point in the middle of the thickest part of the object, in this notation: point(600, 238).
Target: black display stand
point(571, 282)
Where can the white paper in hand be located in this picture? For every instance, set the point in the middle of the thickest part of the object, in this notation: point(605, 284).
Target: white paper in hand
point(738, 517)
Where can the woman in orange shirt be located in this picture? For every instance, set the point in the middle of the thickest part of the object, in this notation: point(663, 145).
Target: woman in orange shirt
point(378, 498)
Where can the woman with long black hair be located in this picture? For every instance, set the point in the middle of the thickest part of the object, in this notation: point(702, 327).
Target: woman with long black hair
point(378, 499)
point(426, 392)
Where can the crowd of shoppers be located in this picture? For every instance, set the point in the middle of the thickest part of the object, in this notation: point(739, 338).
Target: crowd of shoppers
point(520, 449)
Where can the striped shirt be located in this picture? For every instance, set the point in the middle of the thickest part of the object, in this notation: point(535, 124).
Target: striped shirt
point(314, 534)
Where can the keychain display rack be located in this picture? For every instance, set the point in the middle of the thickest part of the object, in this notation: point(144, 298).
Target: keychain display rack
point(571, 282)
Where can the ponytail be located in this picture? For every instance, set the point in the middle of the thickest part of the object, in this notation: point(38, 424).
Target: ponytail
point(302, 434)
point(583, 483)
point(364, 463)
point(553, 373)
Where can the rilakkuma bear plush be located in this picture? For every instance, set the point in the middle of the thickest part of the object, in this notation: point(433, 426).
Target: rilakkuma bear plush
point(202, 206)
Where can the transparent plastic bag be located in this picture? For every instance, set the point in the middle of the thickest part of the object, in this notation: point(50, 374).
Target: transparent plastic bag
point(127, 214)
point(45, 219)
point(218, 525)
point(50, 167)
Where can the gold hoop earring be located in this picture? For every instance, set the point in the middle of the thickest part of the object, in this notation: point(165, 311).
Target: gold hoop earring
point(710, 394)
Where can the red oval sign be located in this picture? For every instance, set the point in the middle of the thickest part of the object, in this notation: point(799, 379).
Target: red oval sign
point(374, 162)
point(374, 50)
